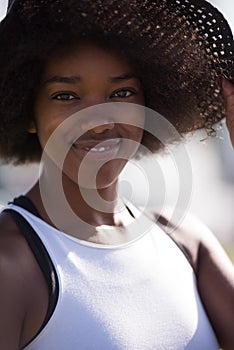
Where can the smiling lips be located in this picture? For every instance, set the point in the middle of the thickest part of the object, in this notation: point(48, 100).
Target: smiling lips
point(104, 148)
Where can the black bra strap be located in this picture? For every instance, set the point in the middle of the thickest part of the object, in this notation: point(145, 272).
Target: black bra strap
point(39, 251)
point(26, 203)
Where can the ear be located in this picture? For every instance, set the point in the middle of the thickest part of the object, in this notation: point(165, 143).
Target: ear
point(32, 128)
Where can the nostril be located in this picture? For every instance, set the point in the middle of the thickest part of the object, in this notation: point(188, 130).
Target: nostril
point(102, 128)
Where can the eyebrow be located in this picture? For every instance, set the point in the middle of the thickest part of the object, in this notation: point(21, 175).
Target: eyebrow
point(75, 79)
point(123, 77)
point(60, 79)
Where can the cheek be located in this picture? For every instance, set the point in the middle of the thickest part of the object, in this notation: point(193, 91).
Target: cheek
point(138, 138)
point(136, 133)
point(47, 124)
point(131, 142)
point(139, 133)
point(45, 128)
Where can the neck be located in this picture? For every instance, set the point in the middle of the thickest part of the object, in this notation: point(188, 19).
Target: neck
point(65, 205)
point(94, 206)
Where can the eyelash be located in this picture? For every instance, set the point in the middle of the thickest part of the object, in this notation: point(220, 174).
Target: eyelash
point(58, 96)
point(132, 92)
point(65, 96)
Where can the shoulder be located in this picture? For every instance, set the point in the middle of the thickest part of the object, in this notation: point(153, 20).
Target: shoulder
point(12, 244)
point(215, 280)
point(13, 291)
point(191, 234)
point(17, 263)
point(21, 284)
point(187, 233)
point(214, 272)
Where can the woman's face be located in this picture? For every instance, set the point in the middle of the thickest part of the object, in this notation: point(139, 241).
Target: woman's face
point(88, 76)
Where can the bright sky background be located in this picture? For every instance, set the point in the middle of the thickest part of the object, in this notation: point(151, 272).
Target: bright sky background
point(3, 6)
point(226, 6)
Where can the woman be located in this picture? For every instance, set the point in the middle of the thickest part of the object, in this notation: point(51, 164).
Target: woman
point(76, 77)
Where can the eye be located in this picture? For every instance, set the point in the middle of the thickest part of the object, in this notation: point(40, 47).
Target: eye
point(64, 96)
point(123, 93)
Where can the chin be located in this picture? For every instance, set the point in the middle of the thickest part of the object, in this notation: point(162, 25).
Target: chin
point(104, 177)
point(93, 176)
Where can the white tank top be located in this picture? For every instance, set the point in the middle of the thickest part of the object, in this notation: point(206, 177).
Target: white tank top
point(140, 295)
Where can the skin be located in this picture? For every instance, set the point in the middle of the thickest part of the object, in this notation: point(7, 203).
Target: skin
point(228, 94)
point(23, 292)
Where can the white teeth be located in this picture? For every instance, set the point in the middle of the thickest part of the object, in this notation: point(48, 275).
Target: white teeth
point(109, 146)
point(98, 149)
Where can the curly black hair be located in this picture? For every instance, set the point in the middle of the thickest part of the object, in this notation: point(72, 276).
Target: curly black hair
point(177, 77)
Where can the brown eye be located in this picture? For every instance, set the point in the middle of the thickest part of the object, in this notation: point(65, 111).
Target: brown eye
point(124, 93)
point(64, 96)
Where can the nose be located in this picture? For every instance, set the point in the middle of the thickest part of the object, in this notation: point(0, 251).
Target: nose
point(97, 127)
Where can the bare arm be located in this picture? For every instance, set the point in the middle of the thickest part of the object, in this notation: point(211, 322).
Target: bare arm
point(215, 274)
point(214, 270)
point(23, 289)
point(215, 277)
point(11, 302)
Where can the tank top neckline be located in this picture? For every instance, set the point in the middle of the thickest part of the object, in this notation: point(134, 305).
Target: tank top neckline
point(135, 212)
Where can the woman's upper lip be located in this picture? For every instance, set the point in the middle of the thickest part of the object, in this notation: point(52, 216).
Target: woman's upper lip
point(94, 142)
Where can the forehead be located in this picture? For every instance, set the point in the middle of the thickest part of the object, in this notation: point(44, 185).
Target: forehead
point(89, 57)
